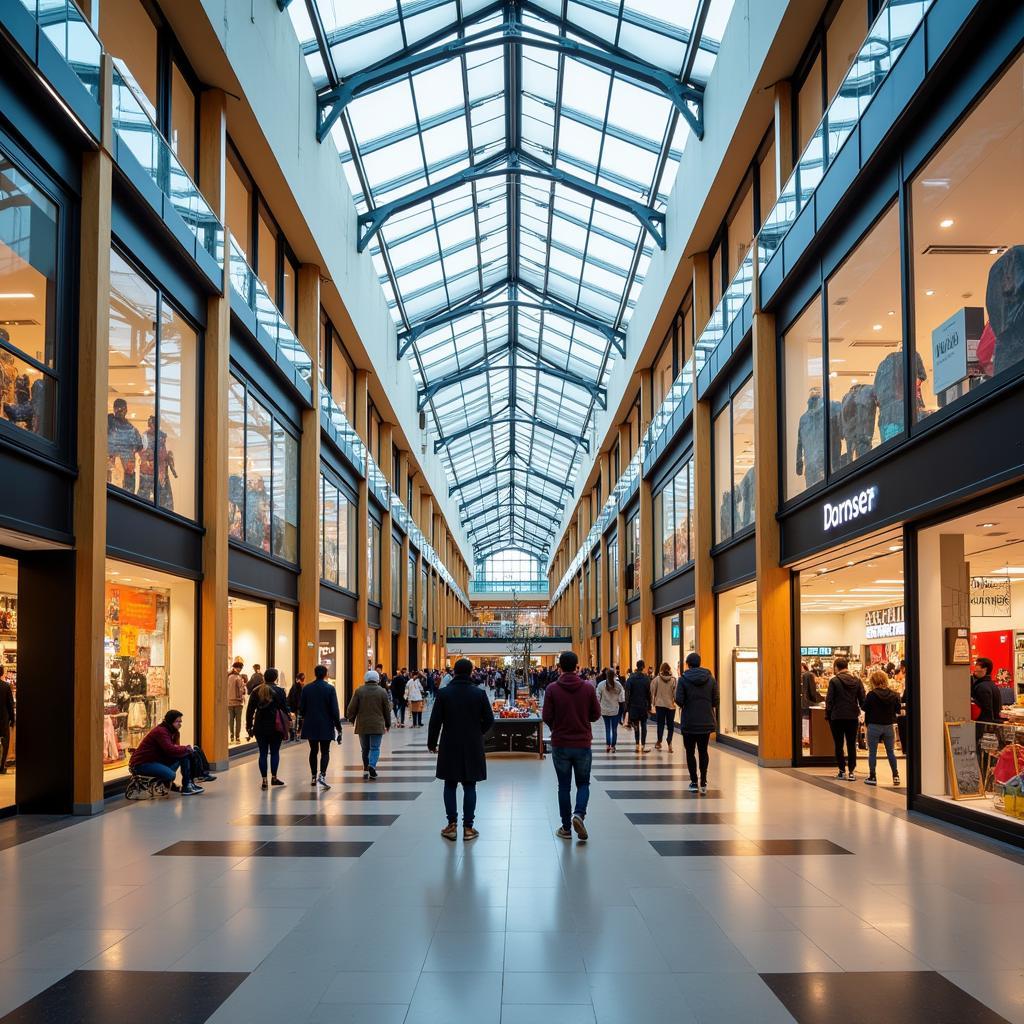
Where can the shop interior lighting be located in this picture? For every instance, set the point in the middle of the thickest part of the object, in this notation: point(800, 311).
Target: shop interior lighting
point(929, 291)
point(17, 295)
point(986, 526)
point(876, 327)
point(895, 547)
point(946, 223)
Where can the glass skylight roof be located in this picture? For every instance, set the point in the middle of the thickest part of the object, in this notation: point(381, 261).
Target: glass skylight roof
point(510, 163)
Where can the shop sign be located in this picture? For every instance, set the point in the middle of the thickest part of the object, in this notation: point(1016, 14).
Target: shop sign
point(840, 513)
point(882, 623)
point(990, 596)
point(954, 344)
point(132, 607)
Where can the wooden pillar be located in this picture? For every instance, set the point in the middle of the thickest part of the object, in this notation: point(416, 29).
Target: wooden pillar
point(646, 552)
point(416, 513)
point(703, 514)
point(360, 627)
point(308, 331)
point(774, 582)
point(607, 654)
point(403, 611)
point(435, 595)
point(90, 491)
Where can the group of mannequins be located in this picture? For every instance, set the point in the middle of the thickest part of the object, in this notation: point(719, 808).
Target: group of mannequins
point(143, 461)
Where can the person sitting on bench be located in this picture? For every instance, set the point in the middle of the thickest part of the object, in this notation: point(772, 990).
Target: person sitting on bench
point(160, 755)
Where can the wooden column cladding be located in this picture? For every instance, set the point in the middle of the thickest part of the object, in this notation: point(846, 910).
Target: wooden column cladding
point(359, 627)
point(703, 522)
point(387, 433)
point(605, 653)
point(308, 331)
point(213, 621)
point(401, 485)
point(625, 649)
point(90, 492)
point(646, 553)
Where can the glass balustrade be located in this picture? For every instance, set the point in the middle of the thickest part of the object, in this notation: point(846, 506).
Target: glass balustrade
point(508, 586)
point(136, 129)
point(69, 32)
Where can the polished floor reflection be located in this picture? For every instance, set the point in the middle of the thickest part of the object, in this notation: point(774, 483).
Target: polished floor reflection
point(770, 899)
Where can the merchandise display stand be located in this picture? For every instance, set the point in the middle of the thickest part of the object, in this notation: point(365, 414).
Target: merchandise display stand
point(516, 735)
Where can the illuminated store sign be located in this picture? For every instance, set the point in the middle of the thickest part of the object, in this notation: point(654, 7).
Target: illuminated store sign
point(882, 623)
point(842, 512)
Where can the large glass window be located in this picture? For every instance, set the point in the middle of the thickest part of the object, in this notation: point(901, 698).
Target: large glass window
point(663, 373)
point(238, 203)
point(804, 405)
point(673, 513)
point(149, 647)
point(597, 588)
point(28, 298)
point(152, 390)
point(510, 566)
point(337, 516)
point(740, 229)
point(183, 120)
point(373, 561)
point(631, 558)
point(968, 251)
point(396, 577)
point(411, 584)
point(739, 672)
point(266, 251)
point(284, 645)
point(734, 472)
point(613, 573)
point(263, 476)
point(722, 477)
point(423, 597)
point(809, 108)
point(678, 638)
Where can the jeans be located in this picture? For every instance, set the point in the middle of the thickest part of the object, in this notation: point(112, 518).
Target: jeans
point(417, 718)
point(611, 729)
point(324, 747)
point(166, 772)
point(696, 743)
point(271, 744)
point(399, 706)
point(370, 744)
point(234, 723)
point(845, 729)
point(887, 734)
point(639, 724)
point(569, 761)
point(666, 722)
point(451, 803)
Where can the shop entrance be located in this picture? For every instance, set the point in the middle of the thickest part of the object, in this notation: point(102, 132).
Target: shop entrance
point(8, 681)
point(850, 607)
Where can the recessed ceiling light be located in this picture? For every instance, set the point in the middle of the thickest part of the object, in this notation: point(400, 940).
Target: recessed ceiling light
point(946, 222)
point(993, 252)
point(849, 563)
point(929, 291)
point(876, 327)
point(892, 312)
point(17, 295)
point(895, 547)
point(986, 526)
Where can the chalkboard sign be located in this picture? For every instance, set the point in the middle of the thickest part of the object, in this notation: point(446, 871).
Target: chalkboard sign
point(962, 758)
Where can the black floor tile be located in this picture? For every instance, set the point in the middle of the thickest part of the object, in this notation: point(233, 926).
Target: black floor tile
point(361, 794)
point(313, 848)
point(659, 794)
point(644, 777)
point(857, 997)
point(384, 776)
point(682, 818)
point(270, 819)
point(745, 847)
point(126, 997)
point(211, 848)
point(316, 819)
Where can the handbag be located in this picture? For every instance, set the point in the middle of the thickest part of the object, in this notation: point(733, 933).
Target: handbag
point(281, 724)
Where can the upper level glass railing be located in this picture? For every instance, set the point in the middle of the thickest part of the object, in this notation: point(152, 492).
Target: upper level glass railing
point(285, 348)
point(341, 431)
point(69, 32)
point(504, 630)
point(134, 125)
point(508, 586)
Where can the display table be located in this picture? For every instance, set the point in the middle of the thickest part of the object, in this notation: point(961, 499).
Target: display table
point(516, 735)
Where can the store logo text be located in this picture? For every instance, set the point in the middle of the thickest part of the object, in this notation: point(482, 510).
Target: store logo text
point(851, 508)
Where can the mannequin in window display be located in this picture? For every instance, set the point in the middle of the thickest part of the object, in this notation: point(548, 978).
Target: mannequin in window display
point(236, 502)
point(1004, 300)
point(810, 440)
point(156, 456)
point(257, 512)
point(725, 515)
point(24, 400)
point(889, 392)
point(123, 442)
point(745, 500)
point(859, 414)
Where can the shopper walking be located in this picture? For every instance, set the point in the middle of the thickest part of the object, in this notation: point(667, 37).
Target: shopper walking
point(294, 697)
point(459, 720)
point(697, 698)
point(7, 719)
point(369, 711)
point(321, 723)
point(664, 699)
point(638, 705)
point(415, 699)
point(267, 718)
point(881, 706)
point(570, 707)
point(161, 754)
point(237, 694)
point(610, 695)
point(843, 701)
point(398, 700)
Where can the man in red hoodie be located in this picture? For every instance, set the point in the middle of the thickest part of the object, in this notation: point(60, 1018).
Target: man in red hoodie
point(570, 706)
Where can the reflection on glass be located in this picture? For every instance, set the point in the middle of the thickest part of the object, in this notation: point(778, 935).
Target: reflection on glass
point(236, 459)
point(805, 402)
point(743, 456)
point(722, 477)
point(257, 475)
point(968, 230)
point(171, 452)
point(285, 505)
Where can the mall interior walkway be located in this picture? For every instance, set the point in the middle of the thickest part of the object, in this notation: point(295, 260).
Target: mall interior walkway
point(770, 899)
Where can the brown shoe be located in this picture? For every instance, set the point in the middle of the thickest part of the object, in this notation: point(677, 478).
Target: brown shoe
point(450, 831)
point(468, 834)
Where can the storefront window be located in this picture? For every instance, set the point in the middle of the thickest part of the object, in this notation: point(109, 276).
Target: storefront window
point(631, 558)
point(734, 480)
point(9, 663)
point(423, 598)
point(804, 402)
point(968, 268)
point(865, 344)
point(677, 633)
point(151, 387)
point(28, 298)
point(396, 577)
point(284, 645)
point(263, 470)
point(128, 32)
point(373, 561)
point(331, 647)
point(673, 513)
point(739, 670)
point(613, 573)
point(411, 584)
point(597, 588)
point(149, 647)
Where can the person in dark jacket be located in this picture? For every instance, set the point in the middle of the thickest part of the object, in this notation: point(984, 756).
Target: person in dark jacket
point(265, 715)
point(638, 705)
point(321, 723)
point(697, 697)
point(398, 685)
point(843, 701)
point(985, 694)
point(571, 705)
point(881, 707)
point(809, 694)
point(369, 711)
point(294, 697)
point(161, 756)
point(6, 719)
point(459, 720)
point(256, 679)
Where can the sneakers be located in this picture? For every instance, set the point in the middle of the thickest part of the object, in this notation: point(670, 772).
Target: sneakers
point(322, 782)
point(190, 789)
point(563, 833)
point(703, 789)
point(851, 776)
point(895, 780)
point(263, 784)
point(373, 772)
point(657, 746)
point(871, 781)
point(276, 781)
point(450, 831)
point(580, 828)
point(366, 774)
point(693, 787)
point(469, 833)
point(841, 775)
point(312, 782)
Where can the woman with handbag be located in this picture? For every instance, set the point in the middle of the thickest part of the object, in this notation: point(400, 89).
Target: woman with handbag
point(414, 698)
point(267, 718)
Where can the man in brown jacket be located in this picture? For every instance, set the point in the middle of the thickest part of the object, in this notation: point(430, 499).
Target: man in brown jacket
point(369, 710)
point(237, 694)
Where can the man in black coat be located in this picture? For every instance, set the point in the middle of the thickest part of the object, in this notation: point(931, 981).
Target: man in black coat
point(461, 717)
point(638, 705)
point(321, 722)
